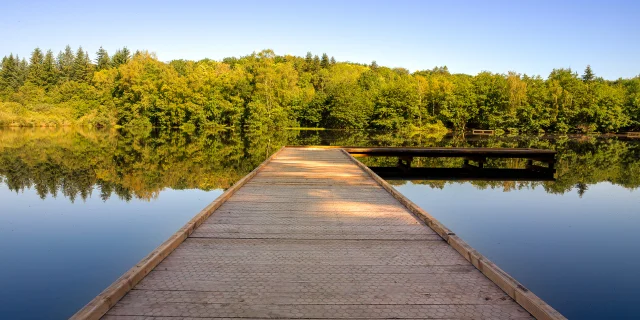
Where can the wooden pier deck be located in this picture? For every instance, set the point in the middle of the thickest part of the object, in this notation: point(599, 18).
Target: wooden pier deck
point(314, 234)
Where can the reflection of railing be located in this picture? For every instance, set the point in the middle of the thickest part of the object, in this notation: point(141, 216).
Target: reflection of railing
point(487, 174)
point(483, 132)
point(404, 170)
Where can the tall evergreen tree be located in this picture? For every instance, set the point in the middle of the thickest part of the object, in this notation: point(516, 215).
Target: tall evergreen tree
point(36, 68)
point(23, 70)
point(79, 67)
point(316, 63)
point(9, 73)
point(82, 66)
point(90, 67)
point(65, 63)
point(102, 59)
point(121, 56)
point(308, 62)
point(50, 72)
point(333, 60)
point(324, 63)
point(588, 75)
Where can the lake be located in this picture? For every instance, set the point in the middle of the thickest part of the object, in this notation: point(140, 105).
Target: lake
point(78, 208)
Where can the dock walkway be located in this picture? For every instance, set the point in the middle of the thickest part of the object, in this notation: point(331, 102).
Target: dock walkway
point(314, 235)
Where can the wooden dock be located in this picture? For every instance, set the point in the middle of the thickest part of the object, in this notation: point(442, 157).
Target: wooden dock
point(314, 234)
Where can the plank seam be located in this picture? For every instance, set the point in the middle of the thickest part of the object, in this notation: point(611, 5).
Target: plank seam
point(523, 296)
point(103, 302)
point(336, 239)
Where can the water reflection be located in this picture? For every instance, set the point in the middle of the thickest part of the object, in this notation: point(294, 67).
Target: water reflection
point(454, 174)
point(79, 208)
point(128, 165)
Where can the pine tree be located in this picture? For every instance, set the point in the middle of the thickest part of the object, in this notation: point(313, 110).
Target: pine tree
point(374, 65)
point(9, 73)
point(23, 70)
point(79, 66)
point(308, 62)
point(89, 67)
point(333, 60)
point(65, 63)
point(82, 67)
point(49, 69)
point(121, 56)
point(316, 63)
point(324, 63)
point(102, 59)
point(36, 68)
point(588, 75)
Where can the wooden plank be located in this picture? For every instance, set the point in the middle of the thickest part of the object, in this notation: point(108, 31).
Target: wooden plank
point(314, 235)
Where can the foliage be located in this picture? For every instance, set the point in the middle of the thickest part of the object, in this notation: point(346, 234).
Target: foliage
point(264, 91)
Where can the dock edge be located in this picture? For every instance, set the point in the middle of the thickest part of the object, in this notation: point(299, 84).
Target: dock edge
point(525, 298)
point(103, 302)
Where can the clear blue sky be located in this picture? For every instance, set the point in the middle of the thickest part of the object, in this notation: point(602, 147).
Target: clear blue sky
point(530, 37)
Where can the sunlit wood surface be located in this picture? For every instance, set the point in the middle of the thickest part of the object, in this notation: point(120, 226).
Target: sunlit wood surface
point(312, 236)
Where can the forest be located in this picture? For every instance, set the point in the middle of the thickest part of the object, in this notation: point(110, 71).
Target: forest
point(263, 91)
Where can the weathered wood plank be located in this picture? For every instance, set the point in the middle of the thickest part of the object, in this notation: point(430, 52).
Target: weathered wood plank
point(314, 311)
point(373, 296)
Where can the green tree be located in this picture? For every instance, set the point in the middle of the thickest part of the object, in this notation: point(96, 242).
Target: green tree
point(564, 89)
point(65, 63)
point(396, 105)
point(460, 104)
point(609, 112)
point(36, 74)
point(632, 103)
point(492, 100)
point(50, 71)
point(102, 59)
point(308, 61)
point(588, 75)
point(121, 57)
point(536, 114)
point(82, 68)
point(10, 73)
point(324, 63)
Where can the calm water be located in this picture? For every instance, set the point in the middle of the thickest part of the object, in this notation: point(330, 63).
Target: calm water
point(79, 208)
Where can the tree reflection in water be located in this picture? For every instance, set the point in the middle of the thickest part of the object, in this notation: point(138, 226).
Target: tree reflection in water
point(76, 163)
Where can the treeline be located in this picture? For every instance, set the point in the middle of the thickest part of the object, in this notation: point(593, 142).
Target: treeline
point(74, 164)
point(264, 90)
